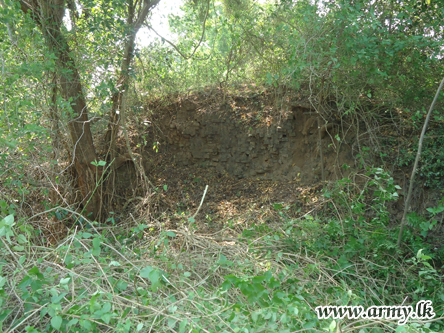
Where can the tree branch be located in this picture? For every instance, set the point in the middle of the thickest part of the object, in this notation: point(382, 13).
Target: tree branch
point(415, 166)
point(197, 46)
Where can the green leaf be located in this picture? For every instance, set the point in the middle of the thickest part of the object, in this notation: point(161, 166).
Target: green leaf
point(36, 285)
point(22, 239)
point(96, 246)
point(65, 280)
point(8, 220)
point(122, 285)
point(56, 322)
point(57, 298)
point(436, 210)
point(145, 273)
point(278, 206)
point(183, 325)
point(106, 317)
point(106, 307)
point(222, 259)
point(72, 322)
point(258, 279)
point(171, 322)
point(401, 329)
point(68, 259)
point(86, 324)
point(35, 271)
point(10, 144)
point(2, 281)
point(309, 324)
point(154, 277)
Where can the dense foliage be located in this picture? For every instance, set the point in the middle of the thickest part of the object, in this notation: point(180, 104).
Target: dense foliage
point(388, 51)
point(364, 64)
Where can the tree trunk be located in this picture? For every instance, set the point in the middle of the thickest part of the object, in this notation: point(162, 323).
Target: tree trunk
point(48, 16)
point(123, 81)
point(122, 85)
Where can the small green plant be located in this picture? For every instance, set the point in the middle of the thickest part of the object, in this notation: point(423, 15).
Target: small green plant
point(156, 145)
point(269, 302)
point(428, 280)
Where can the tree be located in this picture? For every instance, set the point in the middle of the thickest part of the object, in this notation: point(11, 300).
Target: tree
point(134, 23)
point(48, 16)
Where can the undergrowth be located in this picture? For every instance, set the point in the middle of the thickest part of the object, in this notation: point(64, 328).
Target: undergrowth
point(268, 279)
point(430, 168)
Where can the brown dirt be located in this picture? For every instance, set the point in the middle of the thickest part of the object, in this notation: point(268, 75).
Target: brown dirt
point(249, 149)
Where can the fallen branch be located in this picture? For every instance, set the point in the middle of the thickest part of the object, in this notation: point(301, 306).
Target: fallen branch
point(201, 201)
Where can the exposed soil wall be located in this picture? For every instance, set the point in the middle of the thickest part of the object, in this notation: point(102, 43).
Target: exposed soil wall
point(246, 138)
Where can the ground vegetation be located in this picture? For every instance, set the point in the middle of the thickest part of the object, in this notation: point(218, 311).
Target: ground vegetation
point(231, 178)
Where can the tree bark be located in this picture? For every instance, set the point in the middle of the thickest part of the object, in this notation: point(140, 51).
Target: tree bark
point(48, 16)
